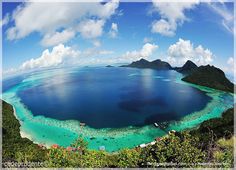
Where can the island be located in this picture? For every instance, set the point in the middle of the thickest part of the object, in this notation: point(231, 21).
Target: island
point(187, 68)
point(156, 64)
point(109, 66)
point(210, 76)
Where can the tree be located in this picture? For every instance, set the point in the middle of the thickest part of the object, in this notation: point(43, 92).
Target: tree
point(224, 152)
point(128, 158)
point(181, 150)
point(80, 143)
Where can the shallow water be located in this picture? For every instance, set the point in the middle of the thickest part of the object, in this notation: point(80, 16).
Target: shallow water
point(119, 105)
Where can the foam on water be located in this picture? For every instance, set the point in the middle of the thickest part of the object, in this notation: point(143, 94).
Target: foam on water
point(48, 131)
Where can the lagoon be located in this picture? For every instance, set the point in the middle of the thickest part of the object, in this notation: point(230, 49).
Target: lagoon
point(119, 105)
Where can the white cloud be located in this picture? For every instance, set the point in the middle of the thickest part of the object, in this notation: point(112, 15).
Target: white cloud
point(106, 52)
point(58, 56)
point(172, 15)
point(94, 52)
point(184, 50)
point(227, 15)
point(61, 55)
point(108, 9)
point(231, 66)
point(146, 51)
point(163, 27)
point(9, 71)
point(5, 20)
point(203, 56)
point(48, 18)
point(230, 61)
point(91, 28)
point(147, 39)
point(57, 38)
point(113, 31)
point(96, 43)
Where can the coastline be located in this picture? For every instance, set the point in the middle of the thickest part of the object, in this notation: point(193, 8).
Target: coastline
point(44, 130)
point(28, 136)
point(14, 112)
point(40, 153)
point(70, 124)
point(23, 134)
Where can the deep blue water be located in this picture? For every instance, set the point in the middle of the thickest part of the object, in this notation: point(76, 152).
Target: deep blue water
point(11, 82)
point(113, 97)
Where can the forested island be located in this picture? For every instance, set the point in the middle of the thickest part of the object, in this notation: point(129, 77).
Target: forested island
point(156, 64)
point(208, 76)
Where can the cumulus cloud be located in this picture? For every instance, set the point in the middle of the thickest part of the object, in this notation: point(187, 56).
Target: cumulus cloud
point(183, 50)
point(5, 20)
point(58, 56)
point(164, 27)
point(61, 55)
point(57, 37)
point(29, 18)
point(146, 51)
point(172, 15)
point(91, 28)
point(113, 31)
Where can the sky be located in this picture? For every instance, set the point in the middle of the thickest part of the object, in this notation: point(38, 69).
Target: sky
point(43, 35)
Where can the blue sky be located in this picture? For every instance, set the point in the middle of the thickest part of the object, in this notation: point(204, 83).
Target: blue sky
point(116, 32)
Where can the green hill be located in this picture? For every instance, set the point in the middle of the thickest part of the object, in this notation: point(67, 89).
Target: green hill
point(156, 64)
point(210, 76)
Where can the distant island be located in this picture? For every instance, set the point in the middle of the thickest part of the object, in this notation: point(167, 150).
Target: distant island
point(109, 66)
point(156, 64)
point(208, 76)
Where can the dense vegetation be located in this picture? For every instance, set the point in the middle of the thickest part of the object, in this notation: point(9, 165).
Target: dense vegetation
point(220, 127)
point(217, 136)
point(212, 143)
point(187, 68)
point(15, 148)
point(156, 64)
point(210, 76)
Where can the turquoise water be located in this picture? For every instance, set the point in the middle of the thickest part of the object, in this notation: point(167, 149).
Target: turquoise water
point(48, 131)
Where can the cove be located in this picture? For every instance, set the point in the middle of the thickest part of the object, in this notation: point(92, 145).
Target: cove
point(119, 105)
point(111, 98)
